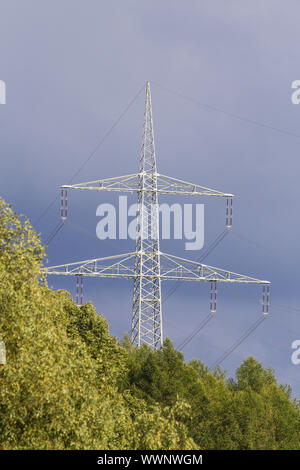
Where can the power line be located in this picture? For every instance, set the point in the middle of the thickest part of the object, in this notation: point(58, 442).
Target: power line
point(147, 266)
point(210, 248)
point(204, 322)
point(240, 118)
point(286, 307)
point(209, 317)
point(87, 233)
point(195, 332)
point(249, 121)
point(239, 341)
point(277, 372)
point(274, 305)
point(227, 113)
point(106, 135)
point(54, 233)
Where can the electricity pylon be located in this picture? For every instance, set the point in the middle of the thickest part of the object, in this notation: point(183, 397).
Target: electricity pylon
point(147, 266)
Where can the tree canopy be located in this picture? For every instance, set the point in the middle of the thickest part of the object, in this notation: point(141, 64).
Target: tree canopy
point(69, 384)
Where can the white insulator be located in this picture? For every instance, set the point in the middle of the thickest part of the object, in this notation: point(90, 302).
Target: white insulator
point(213, 296)
point(64, 204)
point(229, 213)
point(266, 300)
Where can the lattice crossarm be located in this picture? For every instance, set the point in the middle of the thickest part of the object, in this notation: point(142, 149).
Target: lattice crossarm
point(129, 183)
point(168, 185)
point(180, 269)
point(126, 183)
point(117, 266)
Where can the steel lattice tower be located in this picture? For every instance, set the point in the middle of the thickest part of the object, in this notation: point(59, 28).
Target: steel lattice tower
point(147, 266)
point(146, 310)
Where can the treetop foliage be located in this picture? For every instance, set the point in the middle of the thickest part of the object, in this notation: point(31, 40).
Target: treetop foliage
point(68, 384)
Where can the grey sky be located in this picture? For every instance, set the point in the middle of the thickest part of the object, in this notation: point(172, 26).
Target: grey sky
point(71, 67)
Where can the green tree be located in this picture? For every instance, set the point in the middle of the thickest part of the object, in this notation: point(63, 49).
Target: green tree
point(60, 387)
point(68, 384)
